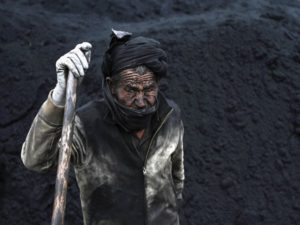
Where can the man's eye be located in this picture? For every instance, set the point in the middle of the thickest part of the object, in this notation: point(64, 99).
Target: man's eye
point(130, 90)
point(149, 89)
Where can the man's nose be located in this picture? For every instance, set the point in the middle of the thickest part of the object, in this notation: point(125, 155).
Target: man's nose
point(140, 101)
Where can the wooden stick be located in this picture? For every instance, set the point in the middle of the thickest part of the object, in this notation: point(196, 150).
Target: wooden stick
point(65, 153)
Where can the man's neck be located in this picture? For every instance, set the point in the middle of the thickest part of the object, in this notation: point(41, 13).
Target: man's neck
point(139, 134)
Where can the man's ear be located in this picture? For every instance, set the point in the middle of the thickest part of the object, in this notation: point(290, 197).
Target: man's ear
point(110, 85)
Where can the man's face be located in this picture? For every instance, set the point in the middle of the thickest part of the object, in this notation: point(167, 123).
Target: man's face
point(135, 88)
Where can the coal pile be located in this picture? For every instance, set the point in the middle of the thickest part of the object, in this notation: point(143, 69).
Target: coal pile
point(233, 69)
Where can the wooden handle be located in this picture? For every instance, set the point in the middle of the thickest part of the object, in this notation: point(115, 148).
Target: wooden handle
point(65, 153)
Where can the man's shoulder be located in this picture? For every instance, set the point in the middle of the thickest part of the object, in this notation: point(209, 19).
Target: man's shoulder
point(174, 121)
point(173, 105)
point(168, 104)
point(175, 117)
point(96, 107)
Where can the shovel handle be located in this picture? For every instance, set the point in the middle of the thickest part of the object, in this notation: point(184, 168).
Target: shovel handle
point(65, 153)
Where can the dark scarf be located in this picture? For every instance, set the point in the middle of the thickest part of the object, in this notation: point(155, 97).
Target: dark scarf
point(129, 119)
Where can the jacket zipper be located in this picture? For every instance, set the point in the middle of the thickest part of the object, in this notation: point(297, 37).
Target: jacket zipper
point(158, 129)
point(144, 167)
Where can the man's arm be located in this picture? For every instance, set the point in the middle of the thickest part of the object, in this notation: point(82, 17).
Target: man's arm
point(178, 165)
point(40, 149)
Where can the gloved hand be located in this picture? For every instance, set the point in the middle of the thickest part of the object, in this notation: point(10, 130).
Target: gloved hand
point(77, 61)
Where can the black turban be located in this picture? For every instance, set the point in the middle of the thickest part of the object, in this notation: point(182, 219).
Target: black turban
point(126, 52)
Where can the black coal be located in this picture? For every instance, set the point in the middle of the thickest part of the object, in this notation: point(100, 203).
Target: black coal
point(234, 70)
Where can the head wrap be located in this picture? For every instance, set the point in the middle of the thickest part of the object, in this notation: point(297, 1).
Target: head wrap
point(125, 52)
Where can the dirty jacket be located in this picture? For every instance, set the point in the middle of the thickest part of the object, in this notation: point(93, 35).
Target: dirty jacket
point(117, 186)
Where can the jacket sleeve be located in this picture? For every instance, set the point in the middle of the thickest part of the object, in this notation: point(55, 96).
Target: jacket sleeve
point(40, 149)
point(178, 165)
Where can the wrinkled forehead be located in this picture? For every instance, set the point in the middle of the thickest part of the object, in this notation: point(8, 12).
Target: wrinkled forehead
point(137, 75)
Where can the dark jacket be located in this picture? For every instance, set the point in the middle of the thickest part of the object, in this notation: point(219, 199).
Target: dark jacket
point(117, 185)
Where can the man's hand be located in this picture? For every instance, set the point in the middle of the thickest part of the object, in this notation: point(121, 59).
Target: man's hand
point(77, 61)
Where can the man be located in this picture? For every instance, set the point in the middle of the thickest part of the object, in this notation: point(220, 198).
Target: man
point(127, 148)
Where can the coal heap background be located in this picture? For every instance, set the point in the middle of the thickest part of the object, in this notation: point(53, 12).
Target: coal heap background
point(234, 71)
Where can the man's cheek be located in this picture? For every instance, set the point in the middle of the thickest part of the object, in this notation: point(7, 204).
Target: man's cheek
point(125, 100)
point(128, 101)
point(151, 100)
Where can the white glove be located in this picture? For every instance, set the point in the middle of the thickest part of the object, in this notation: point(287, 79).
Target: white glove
point(77, 61)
